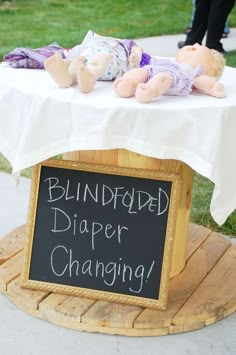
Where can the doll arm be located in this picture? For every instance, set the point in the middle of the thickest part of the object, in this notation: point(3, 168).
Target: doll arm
point(135, 56)
point(209, 85)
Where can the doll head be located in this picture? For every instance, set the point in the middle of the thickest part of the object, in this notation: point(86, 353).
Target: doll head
point(211, 60)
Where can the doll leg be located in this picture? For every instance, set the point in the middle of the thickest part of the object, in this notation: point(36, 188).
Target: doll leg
point(87, 75)
point(127, 84)
point(155, 87)
point(58, 69)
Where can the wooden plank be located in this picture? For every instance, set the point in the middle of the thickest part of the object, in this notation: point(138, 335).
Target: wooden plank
point(181, 328)
point(108, 314)
point(10, 270)
point(27, 299)
point(12, 243)
point(184, 284)
point(213, 319)
point(229, 311)
point(64, 310)
point(182, 222)
point(67, 311)
point(197, 235)
point(215, 295)
point(106, 157)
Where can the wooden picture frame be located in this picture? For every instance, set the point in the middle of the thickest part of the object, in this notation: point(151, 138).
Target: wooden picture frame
point(101, 232)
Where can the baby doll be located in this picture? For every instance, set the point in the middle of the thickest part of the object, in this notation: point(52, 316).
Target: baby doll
point(194, 67)
point(97, 58)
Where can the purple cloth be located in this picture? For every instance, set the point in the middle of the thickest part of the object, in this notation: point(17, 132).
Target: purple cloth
point(145, 60)
point(183, 75)
point(32, 58)
point(128, 44)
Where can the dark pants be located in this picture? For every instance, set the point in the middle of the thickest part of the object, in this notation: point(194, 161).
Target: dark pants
point(210, 16)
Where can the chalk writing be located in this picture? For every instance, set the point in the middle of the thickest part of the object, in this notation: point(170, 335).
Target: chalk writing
point(80, 227)
point(131, 199)
point(109, 273)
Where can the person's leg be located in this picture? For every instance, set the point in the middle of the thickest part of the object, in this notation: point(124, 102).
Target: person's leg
point(199, 26)
point(226, 29)
point(218, 14)
point(191, 19)
point(202, 8)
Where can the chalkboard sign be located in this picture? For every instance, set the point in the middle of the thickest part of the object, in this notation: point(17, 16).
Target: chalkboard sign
point(101, 232)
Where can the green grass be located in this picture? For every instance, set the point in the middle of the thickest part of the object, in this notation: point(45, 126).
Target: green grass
point(6, 167)
point(200, 212)
point(30, 23)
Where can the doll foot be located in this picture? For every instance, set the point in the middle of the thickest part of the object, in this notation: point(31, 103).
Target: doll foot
point(58, 70)
point(124, 87)
point(144, 93)
point(75, 64)
point(86, 79)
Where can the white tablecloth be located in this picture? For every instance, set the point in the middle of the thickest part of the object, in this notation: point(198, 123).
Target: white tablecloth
point(39, 120)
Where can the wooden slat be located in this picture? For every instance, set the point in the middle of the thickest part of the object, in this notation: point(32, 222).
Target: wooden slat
point(106, 157)
point(181, 328)
point(215, 296)
point(27, 299)
point(183, 285)
point(197, 235)
point(10, 270)
point(12, 243)
point(67, 311)
point(64, 310)
point(213, 319)
point(108, 314)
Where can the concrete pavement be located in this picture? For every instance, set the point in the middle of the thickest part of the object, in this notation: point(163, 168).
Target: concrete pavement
point(23, 334)
point(166, 46)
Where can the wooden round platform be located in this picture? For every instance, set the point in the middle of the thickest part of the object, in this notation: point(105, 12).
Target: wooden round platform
point(204, 293)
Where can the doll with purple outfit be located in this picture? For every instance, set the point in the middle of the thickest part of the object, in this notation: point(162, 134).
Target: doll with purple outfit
point(194, 67)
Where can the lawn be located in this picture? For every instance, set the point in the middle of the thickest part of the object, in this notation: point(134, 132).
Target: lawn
point(29, 23)
point(35, 23)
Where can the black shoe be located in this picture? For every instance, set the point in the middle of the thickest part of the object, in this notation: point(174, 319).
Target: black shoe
point(225, 33)
point(181, 44)
point(220, 48)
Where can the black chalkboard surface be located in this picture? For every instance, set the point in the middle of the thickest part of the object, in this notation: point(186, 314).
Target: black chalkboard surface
point(101, 232)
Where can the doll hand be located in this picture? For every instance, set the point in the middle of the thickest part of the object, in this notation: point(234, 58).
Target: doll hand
point(134, 60)
point(135, 57)
point(209, 86)
point(217, 90)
